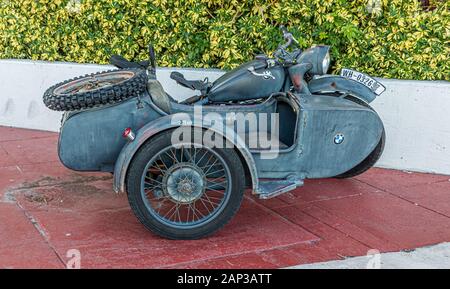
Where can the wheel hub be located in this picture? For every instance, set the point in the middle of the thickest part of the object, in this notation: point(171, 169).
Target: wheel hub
point(184, 183)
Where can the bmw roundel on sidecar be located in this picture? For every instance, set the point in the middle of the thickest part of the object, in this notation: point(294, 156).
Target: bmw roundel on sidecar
point(265, 126)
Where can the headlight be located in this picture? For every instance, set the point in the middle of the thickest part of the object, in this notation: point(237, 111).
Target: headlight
point(326, 63)
point(318, 57)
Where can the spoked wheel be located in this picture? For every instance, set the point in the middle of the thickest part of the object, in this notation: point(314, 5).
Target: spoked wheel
point(185, 191)
point(93, 82)
point(96, 89)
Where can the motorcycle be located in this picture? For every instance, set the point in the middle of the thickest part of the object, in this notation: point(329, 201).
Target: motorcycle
point(186, 164)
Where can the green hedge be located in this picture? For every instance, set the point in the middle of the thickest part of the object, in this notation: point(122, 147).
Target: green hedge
point(386, 38)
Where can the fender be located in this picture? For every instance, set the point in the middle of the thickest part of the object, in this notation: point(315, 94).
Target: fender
point(167, 122)
point(333, 83)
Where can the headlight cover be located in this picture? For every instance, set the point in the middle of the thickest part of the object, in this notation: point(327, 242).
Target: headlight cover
point(326, 63)
point(318, 57)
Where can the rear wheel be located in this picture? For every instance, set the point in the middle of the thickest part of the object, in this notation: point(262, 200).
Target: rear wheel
point(185, 191)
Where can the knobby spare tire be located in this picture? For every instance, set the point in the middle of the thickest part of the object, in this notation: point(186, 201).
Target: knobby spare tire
point(96, 89)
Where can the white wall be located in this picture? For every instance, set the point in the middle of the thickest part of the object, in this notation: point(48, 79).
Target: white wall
point(415, 113)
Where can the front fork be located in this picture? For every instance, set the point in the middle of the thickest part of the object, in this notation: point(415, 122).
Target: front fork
point(297, 74)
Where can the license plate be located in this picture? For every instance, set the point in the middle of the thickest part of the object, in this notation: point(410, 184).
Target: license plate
point(364, 79)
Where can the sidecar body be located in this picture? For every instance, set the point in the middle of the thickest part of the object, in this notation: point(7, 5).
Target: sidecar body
point(317, 136)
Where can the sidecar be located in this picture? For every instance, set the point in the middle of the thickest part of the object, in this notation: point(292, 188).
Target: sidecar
point(266, 126)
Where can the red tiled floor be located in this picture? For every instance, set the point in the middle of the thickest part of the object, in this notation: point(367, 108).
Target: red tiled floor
point(21, 245)
point(5, 159)
point(323, 190)
point(434, 196)
point(391, 218)
point(324, 220)
point(10, 134)
point(38, 150)
point(392, 179)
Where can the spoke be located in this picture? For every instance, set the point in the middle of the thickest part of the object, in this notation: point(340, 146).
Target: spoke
point(193, 211)
point(153, 180)
point(159, 156)
point(178, 213)
point(172, 156)
point(216, 198)
point(213, 183)
point(188, 210)
point(206, 152)
point(209, 200)
point(206, 207)
point(220, 192)
point(167, 213)
point(215, 172)
point(217, 180)
point(200, 212)
point(207, 162)
point(192, 160)
point(156, 168)
point(174, 212)
point(160, 204)
point(210, 166)
point(149, 186)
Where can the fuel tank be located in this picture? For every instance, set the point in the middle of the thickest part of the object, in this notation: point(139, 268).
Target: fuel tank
point(241, 84)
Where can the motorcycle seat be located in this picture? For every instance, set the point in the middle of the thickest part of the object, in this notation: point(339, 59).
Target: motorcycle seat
point(121, 62)
point(201, 85)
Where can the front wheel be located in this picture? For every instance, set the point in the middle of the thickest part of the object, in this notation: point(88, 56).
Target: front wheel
point(184, 191)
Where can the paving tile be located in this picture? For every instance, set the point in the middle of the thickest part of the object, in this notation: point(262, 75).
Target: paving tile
point(363, 236)
point(5, 159)
point(331, 239)
point(326, 189)
point(392, 218)
point(391, 179)
point(9, 177)
point(11, 134)
point(21, 245)
point(32, 151)
point(247, 260)
point(434, 196)
point(30, 256)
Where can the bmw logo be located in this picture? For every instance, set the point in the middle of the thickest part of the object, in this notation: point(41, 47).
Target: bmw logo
point(339, 138)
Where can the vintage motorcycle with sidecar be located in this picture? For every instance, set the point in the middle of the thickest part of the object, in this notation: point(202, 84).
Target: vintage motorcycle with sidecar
point(122, 121)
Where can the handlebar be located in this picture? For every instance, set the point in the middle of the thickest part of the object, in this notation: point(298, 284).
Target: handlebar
point(281, 51)
point(288, 37)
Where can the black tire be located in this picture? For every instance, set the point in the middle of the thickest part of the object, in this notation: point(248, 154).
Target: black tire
point(109, 94)
point(368, 162)
point(138, 205)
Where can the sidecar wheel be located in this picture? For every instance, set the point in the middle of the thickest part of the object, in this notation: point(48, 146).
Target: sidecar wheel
point(368, 162)
point(184, 192)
